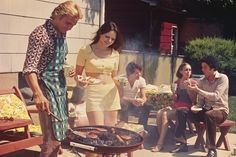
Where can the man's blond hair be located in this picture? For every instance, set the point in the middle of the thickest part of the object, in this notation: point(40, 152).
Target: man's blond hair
point(67, 8)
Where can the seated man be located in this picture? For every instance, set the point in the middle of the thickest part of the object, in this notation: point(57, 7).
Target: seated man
point(212, 105)
point(132, 93)
point(77, 110)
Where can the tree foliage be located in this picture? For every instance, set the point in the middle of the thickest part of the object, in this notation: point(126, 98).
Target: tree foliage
point(219, 3)
point(224, 50)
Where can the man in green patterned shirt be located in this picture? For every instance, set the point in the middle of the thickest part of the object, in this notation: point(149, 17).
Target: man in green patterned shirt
point(43, 70)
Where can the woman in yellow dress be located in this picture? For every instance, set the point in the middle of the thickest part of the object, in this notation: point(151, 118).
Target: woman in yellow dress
point(100, 61)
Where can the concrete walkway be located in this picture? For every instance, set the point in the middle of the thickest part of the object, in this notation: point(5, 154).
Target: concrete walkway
point(149, 141)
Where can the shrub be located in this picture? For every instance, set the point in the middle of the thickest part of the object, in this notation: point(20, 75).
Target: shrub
point(224, 50)
point(232, 111)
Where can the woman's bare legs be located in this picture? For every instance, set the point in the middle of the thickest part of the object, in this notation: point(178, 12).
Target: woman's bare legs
point(159, 125)
point(159, 120)
point(95, 118)
point(110, 118)
point(101, 118)
point(164, 128)
point(162, 131)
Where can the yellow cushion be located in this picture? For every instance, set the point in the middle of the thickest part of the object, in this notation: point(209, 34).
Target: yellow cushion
point(32, 128)
point(12, 106)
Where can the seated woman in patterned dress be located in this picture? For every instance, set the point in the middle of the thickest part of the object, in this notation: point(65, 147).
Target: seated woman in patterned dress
point(182, 99)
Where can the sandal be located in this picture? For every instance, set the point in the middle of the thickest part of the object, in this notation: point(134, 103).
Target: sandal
point(180, 139)
point(60, 152)
point(157, 148)
point(180, 148)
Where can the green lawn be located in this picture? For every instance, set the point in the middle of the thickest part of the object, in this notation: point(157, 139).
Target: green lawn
point(232, 111)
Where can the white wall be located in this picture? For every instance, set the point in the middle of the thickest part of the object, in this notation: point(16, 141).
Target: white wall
point(19, 18)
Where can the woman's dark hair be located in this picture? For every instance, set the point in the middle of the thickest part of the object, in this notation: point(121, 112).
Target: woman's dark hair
point(131, 67)
point(105, 28)
point(211, 62)
point(178, 73)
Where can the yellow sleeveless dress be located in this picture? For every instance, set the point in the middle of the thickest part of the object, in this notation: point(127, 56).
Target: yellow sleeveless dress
point(103, 96)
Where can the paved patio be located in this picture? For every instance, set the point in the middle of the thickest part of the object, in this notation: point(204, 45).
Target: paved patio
point(148, 142)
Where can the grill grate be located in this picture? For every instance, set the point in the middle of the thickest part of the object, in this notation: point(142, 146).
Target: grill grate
point(105, 139)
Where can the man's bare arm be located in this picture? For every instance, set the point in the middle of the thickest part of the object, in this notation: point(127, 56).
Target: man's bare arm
point(39, 99)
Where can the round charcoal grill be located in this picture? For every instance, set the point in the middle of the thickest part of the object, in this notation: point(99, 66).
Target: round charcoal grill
point(105, 140)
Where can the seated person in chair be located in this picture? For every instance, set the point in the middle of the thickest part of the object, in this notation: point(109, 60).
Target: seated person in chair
point(132, 94)
point(182, 99)
point(212, 105)
point(77, 108)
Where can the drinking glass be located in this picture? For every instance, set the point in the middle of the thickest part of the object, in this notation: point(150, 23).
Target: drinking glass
point(173, 87)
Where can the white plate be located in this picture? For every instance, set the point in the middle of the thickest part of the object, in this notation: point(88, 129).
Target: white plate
point(196, 109)
point(89, 80)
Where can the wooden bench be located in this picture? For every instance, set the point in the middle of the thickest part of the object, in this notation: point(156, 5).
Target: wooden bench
point(223, 128)
point(153, 114)
point(200, 142)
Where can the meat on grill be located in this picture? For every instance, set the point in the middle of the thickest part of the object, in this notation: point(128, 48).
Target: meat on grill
point(103, 136)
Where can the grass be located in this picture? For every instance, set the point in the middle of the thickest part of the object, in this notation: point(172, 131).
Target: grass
point(232, 111)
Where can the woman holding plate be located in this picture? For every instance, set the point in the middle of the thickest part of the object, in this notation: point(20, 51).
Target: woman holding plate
point(100, 61)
